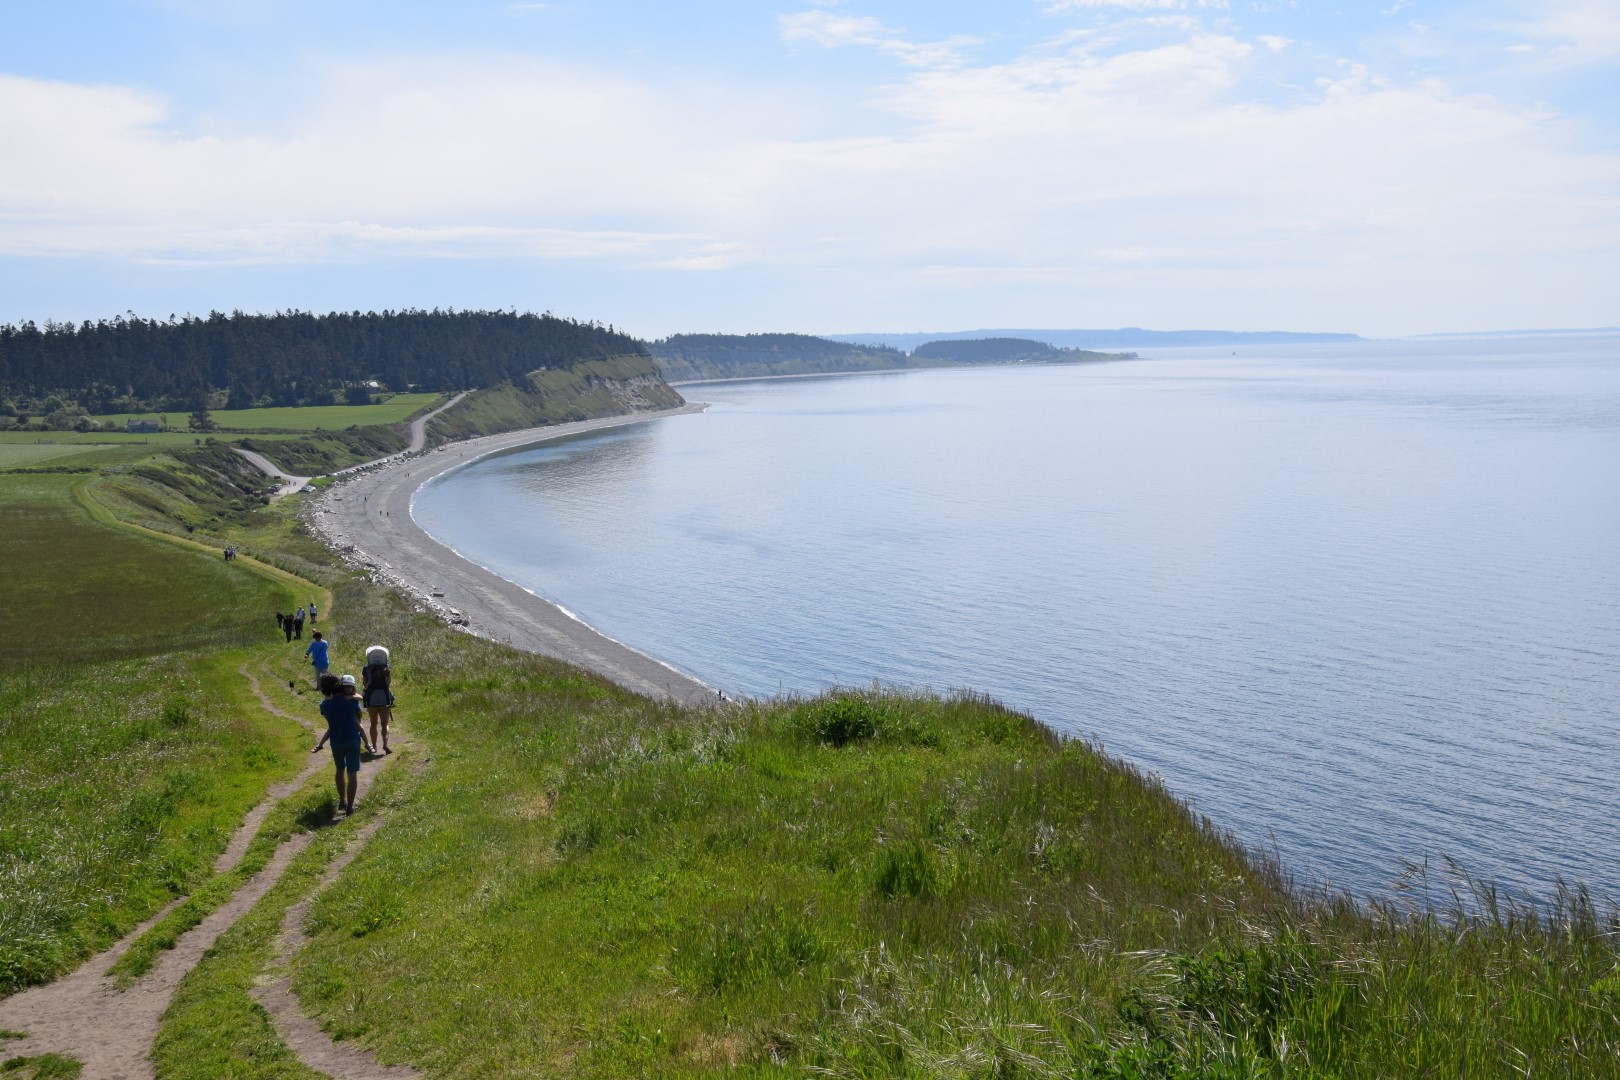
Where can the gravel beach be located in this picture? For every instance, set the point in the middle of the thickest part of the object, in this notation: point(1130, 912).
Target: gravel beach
point(367, 519)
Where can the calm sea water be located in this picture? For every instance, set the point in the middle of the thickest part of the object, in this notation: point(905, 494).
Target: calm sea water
point(1360, 602)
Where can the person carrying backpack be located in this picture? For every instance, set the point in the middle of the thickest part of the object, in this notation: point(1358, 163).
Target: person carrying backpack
point(377, 678)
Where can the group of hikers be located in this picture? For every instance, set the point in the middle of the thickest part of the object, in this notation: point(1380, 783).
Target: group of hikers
point(344, 704)
point(293, 625)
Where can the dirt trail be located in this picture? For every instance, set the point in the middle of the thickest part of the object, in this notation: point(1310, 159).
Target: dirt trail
point(237, 848)
point(110, 1031)
point(314, 1047)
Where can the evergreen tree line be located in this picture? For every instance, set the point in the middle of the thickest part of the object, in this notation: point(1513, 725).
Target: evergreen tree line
point(287, 358)
point(730, 356)
point(995, 350)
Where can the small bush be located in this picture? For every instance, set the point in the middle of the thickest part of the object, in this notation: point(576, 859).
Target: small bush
point(849, 718)
point(838, 721)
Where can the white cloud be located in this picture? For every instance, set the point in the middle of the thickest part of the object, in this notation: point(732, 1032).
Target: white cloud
point(1093, 168)
point(824, 28)
point(1578, 31)
point(1059, 6)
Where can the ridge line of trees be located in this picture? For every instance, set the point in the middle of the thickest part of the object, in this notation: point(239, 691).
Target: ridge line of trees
point(129, 363)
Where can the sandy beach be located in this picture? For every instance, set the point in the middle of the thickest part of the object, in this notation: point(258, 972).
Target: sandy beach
point(367, 519)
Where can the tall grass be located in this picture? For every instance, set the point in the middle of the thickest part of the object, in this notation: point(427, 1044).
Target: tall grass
point(126, 753)
point(883, 884)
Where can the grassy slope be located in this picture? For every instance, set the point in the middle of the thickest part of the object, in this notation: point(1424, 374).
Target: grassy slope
point(580, 882)
point(551, 396)
point(305, 441)
point(126, 753)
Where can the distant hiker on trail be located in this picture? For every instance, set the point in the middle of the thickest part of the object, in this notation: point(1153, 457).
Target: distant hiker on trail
point(342, 716)
point(317, 656)
point(280, 618)
point(298, 624)
point(379, 695)
point(312, 613)
point(285, 622)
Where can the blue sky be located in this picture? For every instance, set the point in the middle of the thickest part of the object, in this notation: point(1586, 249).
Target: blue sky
point(1388, 168)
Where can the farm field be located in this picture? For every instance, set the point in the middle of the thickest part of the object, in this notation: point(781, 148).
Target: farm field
point(17, 455)
point(162, 440)
point(396, 409)
point(127, 751)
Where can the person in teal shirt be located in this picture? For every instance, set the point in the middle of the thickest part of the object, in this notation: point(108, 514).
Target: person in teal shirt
point(342, 715)
point(317, 656)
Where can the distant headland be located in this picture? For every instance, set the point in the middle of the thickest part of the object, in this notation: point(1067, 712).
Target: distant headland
point(1129, 337)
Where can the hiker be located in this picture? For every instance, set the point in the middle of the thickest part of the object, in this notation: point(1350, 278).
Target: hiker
point(280, 619)
point(350, 692)
point(298, 624)
point(317, 655)
point(379, 695)
point(285, 622)
point(312, 613)
point(342, 716)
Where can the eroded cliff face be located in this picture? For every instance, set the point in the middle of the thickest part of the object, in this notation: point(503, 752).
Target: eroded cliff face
point(611, 387)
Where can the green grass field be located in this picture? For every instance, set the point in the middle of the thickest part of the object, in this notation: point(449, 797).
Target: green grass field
point(136, 445)
point(91, 593)
point(13, 456)
point(127, 754)
point(396, 409)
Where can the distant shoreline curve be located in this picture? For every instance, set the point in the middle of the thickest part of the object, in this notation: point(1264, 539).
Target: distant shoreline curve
point(367, 519)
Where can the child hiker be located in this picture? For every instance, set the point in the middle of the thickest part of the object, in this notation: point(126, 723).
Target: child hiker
point(342, 715)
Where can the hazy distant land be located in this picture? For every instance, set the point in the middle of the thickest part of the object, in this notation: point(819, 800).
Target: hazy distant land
point(1129, 337)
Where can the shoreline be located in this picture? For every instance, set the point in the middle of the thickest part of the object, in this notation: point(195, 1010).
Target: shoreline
point(383, 539)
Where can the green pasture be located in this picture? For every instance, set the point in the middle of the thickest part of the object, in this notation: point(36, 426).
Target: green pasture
point(128, 444)
point(127, 751)
point(79, 593)
point(13, 455)
point(395, 409)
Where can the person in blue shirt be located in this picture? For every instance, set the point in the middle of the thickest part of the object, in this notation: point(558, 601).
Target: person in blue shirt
point(317, 656)
point(342, 715)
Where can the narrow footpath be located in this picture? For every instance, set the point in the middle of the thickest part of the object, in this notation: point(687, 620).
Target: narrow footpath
point(111, 1031)
point(290, 485)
